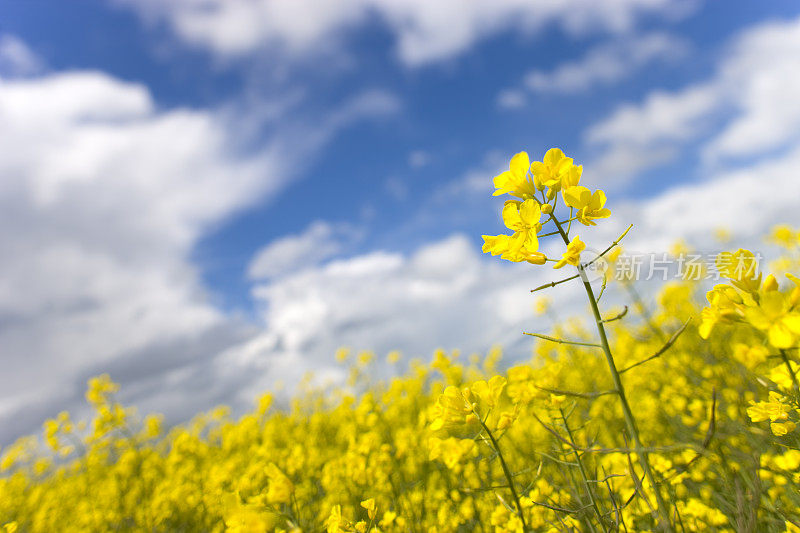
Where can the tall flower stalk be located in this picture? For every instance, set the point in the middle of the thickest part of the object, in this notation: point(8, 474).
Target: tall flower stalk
point(535, 189)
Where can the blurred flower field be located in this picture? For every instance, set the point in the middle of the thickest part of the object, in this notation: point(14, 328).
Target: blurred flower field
point(680, 417)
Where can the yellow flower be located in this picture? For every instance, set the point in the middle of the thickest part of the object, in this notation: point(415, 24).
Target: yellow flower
point(489, 392)
point(542, 305)
point(388, 518)
point(371, 507)
point(100, 388)
point(590, 205)
point(556, 171)
point(725, 306)
point(336, 523)
point(507, 418)
point(573, 254)
point(782, 428)
point(781, 377)
point(280, 488)
point(342, 354)
point(741, 267)
point(774, 410)
point(453, 408)
point(774, 316)
point(515, 180)
point(452, 451)
point(523, 218)
point(244, 518)
point(750, 356)
point(783, 235)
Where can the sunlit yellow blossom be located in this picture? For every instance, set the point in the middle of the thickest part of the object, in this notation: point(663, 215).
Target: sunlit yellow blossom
point(336, 523)
point(774, 410)
point(489, 392)
point(556, 171)
point(590, 205)
point(782, 428)
point(781, 377)
point(523, 219)
point(507, 418)
point(725, 304)
point(573, 254)
point(741, 267)
point(371, 507)
point(516, 181)
point(454, 408)
point(774, 316)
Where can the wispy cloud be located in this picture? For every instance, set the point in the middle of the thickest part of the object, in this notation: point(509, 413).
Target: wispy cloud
point(17, 59)
point(607, 64)
point(746, 108)
point(424, 31)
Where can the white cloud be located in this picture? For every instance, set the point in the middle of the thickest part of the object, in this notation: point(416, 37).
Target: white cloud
point(424, 31)
point(734, 199)
point(751, 97)
point(102, 198)
point(291, 253)
point(17, 59)
point(762, 78)
point(637, 137)
point(441, 295)
point(607, 64)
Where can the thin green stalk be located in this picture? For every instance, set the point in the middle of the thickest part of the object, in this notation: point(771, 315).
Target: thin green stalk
point(630, 421)
point(508, 475)
point(790, 369)
point(583, 473)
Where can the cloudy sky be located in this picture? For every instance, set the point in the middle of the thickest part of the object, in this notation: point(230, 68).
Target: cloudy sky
point(206, 197)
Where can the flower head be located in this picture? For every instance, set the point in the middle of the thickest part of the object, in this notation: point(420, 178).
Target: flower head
point(515, 181)
point(556, 172)
point(573, 254)
point(590, 205)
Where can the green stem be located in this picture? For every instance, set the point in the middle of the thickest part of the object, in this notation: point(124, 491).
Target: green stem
point(630, 421)
point(508, 475)
point(790, 369)
point(583, 473)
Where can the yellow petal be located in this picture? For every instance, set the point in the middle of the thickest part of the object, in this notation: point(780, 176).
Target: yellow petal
point(577, 197)
point(530, 212)
point(511, 216)
point(519, 165)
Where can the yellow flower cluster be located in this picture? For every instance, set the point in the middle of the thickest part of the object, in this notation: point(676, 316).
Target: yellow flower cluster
point(536, 186)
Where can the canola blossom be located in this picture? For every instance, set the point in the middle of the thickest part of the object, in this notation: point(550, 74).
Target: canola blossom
point(674, 415)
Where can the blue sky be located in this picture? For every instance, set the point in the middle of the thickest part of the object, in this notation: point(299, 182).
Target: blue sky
point(209, 197)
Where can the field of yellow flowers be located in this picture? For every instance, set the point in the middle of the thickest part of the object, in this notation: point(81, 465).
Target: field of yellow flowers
point(678, 417)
